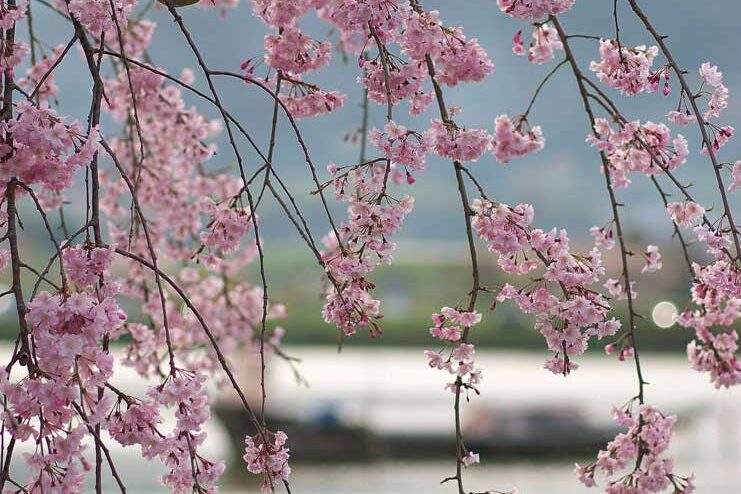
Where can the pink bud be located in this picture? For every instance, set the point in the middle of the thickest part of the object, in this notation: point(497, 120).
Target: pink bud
point(361, 61)
point(517, 47)
point(625, 353)
point(517, 39)
point(667, 90)
point(410, 179)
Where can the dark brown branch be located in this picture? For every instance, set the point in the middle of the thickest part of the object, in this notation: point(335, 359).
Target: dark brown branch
point(476, 286)
point(613, 204)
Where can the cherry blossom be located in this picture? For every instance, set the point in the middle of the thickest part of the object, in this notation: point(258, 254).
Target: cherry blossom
point(96, 15)
point(226, 226)
point(715, 293)
point(457, 357)
point(293, 52)
point(448, 140)
point(401, 146)
point(653, 259)
point(626, 68)
point(685, 213)
point(647, 148)
point(534, 9)
point(269, 457)
point(46, 149)
point(509, 141)
point(735, 176)
point(566, 320)
point(168, 228)
point(680, 118)
point(542, 48)
point(9, 16)
point(634, 461)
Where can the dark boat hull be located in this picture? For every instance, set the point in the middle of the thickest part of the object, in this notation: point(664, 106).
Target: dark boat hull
point(526, 436)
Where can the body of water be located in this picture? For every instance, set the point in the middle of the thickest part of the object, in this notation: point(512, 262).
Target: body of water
point(390, 391)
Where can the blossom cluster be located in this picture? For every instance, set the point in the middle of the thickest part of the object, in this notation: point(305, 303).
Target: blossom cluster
point(295, 53)
point(12, 54)
point(139, 423)
point(685, 213)
point(543, 46)
point(97, 16)
point(268, 457)
point(456, 58)
point(373, 217)
point(449, 141)
point(509, 141)
point(9, 16)
point(628, 69)
point(67, 361)
point(214, 232)
point(534, 9)
point(48, 89)
point(718, 100)
point(647, 148)
point(401, 146)
point(716, 292)
point(634, 462)
point(227, 226)
point(199, 221)
point(46, 149)
point(566, 320)
point(716, 298)
point(457, 357)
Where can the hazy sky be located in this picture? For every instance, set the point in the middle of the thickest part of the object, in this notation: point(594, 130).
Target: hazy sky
point(562, 181)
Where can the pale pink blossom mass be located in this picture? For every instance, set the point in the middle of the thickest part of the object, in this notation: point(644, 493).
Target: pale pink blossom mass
point(151, 231)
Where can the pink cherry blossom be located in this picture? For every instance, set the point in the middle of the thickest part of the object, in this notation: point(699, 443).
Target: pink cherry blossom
point(267, 453)
point(735, 176)
point(568, 320)
point(509, 141)
point(685, 213)
point(534, 9)
point(653, 259)
point(647, 148)
point(634, 461)
point(542, 48)
point(458, 356)
point(452, 142)
point(628, 69)
point(680, 118)
point(293, 52)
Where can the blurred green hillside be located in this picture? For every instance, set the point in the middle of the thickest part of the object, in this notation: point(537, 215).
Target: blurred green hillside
point(425, 277)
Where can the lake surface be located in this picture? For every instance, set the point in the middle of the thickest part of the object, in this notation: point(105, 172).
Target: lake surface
point(392, 390)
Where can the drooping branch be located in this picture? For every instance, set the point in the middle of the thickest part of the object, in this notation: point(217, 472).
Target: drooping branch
point(475, 274)
point(614, 204)
point(707, 143)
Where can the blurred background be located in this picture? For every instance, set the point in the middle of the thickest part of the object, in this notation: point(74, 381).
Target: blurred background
point(373, 418)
